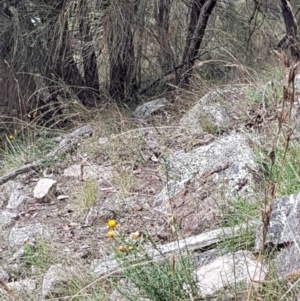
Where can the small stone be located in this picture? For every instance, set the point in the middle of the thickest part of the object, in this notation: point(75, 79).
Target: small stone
point(45, 189)
point(74, 171)
point(148, 108)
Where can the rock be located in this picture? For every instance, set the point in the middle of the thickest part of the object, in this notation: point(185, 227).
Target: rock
point(283, 232)
point(228, 270)
point(98, 172)
point(4, 276)
point(18, 255)
point(19, 235)
point(214, 112)
point(74, 171)
point(45, 190)
point(17, 196)
point(102, 267)
point(287, 261)
point(284, 225)
point(148, 108)
point(23, 288)
point(6, 190)
point(206, 257)
point(105, 173)
point(57, 279)
point(7, 218)
point(200, 181)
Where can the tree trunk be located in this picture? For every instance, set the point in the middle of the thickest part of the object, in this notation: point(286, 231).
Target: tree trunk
point(199, 16)
point(88, 52)
point(123, 85)
point(291, 29)
point(162, 21)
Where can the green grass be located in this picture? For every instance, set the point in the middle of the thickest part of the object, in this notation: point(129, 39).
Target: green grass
point(86, 195)
point(285, 172)
point(241, 211)
point(163, 278)
point(22, 150)
point(37, 257)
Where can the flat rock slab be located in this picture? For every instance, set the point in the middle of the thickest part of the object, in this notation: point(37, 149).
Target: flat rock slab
point(74, 171)
point(229, 270)
point(104, 173)
point(200, 182)
point(19, 235)
point(148, 108)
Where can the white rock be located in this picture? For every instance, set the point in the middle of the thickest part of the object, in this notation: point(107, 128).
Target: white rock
point(148, 108)
point(23, 287)
point(228, 270)
point(74, 171)
point(44, 189)
point(98, 172)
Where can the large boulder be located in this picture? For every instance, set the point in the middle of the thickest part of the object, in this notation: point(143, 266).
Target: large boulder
point(201, 182)
point(216, 111)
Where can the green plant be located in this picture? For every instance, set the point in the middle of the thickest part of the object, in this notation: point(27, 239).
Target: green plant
point(37, 256)
point(285, 172)
point(157, 277)
point(124, 183)
point(86, 195)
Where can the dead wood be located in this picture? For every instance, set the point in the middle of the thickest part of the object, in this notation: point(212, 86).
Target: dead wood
point(66, 143)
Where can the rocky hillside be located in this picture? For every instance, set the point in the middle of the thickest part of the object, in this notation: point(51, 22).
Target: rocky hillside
point(201, 188)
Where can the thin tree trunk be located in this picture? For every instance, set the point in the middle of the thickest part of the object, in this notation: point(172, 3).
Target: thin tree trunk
point(291, 28)
point(88, 53)
point(123, 85)
point(162, 21)
point(200, 13)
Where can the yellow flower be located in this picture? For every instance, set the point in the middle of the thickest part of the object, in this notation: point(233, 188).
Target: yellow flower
point(121, 249)
point(111, 234)
point(130, 248)
point(10, 137)
point(135, 235)
point(111, 224)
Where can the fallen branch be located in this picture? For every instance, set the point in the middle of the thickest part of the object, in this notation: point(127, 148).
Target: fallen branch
point(190, 244)
point(65, 145)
